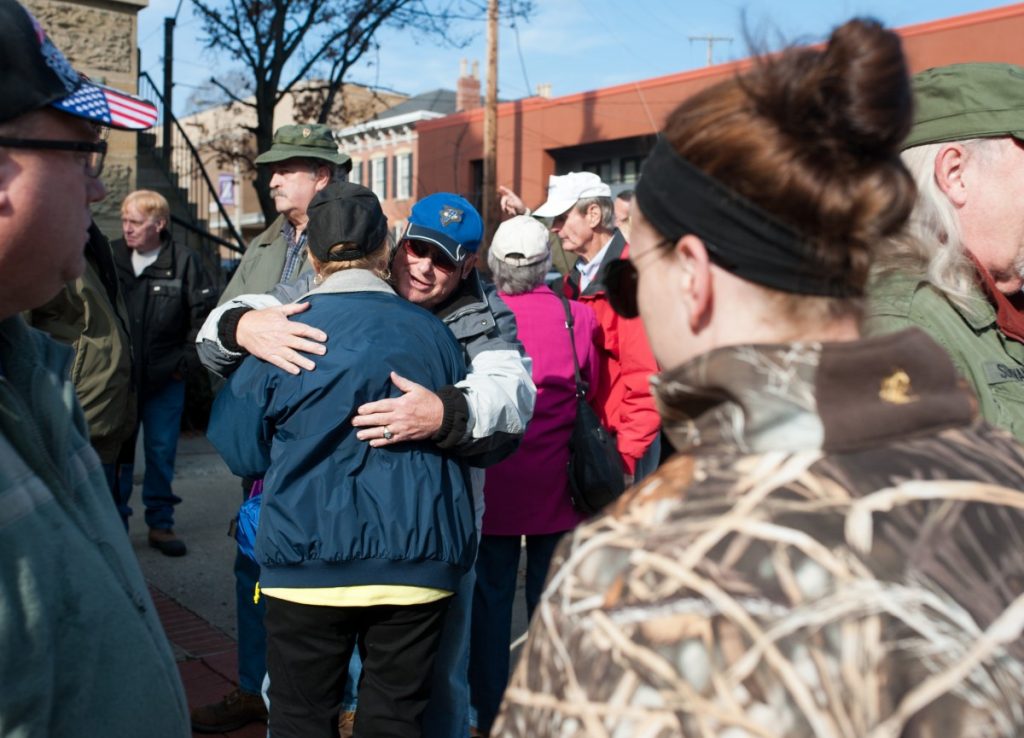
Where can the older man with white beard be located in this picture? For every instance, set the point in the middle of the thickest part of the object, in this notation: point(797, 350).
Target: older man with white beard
point(957, 272)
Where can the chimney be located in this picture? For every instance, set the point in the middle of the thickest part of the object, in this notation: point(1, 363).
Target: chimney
point(544, 90)
point(467, 89)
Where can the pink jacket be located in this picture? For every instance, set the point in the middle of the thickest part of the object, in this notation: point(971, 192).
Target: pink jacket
point(528, 493)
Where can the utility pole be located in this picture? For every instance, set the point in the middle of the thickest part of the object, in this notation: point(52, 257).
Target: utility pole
point(711, 43)
point(488, 199)
point(168, 83)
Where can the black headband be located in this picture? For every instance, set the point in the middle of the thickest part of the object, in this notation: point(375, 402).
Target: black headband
point(679, 199)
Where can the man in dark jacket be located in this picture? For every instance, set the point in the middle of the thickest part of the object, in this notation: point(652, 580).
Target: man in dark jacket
point(302, 160)
point(168, 295)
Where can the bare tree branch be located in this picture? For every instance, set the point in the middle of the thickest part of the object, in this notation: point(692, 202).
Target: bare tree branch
point(282, 44)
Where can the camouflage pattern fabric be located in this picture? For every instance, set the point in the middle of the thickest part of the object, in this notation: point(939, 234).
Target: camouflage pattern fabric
point(837, 551)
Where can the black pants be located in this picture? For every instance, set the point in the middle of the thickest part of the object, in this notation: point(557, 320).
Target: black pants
point(308, 649)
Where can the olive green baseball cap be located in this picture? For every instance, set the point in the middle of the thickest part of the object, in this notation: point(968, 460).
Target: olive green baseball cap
point(311, 141)
point(963, 101)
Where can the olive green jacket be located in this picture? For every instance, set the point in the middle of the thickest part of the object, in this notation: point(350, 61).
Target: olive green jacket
point(992, 363)
point(84, 316)
point(262, 264)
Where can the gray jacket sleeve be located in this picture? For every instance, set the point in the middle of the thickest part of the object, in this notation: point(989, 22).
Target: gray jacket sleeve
point(212, 352)
point(499, 390)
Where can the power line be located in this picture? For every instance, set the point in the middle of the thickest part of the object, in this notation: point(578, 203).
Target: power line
point(711, 43)
point(519, 48)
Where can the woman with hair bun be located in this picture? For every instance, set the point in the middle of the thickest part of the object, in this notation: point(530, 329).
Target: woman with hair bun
point(836, 548)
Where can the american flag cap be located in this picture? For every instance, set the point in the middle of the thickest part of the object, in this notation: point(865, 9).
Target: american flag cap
point(34, 73)
point(108, 106)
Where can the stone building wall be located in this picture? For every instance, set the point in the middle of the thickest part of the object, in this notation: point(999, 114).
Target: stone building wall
point(100, 39)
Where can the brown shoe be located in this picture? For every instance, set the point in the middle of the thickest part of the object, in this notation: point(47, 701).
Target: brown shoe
point(166, 542)
point(346, 724)
point(238, 708)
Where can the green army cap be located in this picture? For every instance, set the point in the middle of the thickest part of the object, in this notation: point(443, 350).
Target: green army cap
point(963, 101)
point(310, 141)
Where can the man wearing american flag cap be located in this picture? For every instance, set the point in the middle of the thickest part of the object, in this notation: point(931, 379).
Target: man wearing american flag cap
point(81, 649)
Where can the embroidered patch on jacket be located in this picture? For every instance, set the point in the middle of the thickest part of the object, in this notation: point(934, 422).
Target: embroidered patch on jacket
point(896, 389)
point(998, 372)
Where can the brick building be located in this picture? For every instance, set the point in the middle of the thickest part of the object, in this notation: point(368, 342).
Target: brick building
point(610, 130)
point(383, 149)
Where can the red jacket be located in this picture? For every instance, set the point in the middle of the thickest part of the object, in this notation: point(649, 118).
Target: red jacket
point(626, 365)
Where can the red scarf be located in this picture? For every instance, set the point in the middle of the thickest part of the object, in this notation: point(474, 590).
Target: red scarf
point(1009, 318)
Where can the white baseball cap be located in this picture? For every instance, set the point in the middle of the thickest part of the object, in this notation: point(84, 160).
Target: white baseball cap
point(520, 241)
point(566, 190)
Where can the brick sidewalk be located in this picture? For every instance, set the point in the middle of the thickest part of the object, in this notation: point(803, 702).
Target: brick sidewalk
point(207, 658)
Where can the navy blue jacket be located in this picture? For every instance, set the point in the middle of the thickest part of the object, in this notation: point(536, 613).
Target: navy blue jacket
point(337, 512)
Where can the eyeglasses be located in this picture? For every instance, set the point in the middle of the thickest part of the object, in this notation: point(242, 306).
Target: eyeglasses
point(96, 151)
point(620, 279)
point(423, 250)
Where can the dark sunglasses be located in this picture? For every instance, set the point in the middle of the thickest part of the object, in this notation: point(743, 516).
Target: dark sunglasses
point(620, 281)
point(424, 250)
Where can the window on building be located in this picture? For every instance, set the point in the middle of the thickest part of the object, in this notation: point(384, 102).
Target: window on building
point(602, 169)
point(630, 168)
point(379, 177)
point(356, 175)
point(403, 176)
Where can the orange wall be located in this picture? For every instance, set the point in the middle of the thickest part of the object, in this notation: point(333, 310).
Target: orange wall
point(528, 129)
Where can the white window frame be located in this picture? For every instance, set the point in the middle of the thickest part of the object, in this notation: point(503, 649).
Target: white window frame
point(403, 176)
point(379, 177)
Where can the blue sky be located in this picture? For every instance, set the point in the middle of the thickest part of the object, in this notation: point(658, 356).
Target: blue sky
point(573, 45)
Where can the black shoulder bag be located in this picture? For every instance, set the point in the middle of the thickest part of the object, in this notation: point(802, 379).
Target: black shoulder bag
point(596, 473)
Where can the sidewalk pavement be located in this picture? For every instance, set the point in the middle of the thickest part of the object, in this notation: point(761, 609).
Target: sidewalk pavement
point(206, 657)
point(195, 594)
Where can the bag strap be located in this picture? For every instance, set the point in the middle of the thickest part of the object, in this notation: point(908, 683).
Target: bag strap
point(581, 386)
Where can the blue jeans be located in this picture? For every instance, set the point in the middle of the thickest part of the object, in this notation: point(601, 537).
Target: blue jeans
point(160, 419)
point(161, 424)
point(497, 564)
point(649, 462)
point(252, 635)
point(120, 488)
point(447, 714)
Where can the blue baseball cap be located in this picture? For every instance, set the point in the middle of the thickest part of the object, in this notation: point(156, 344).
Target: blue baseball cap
point(449, 222)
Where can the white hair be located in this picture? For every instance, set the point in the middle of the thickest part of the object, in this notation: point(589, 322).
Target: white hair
point(516, 280)
point(931, 243)
point(607, 210)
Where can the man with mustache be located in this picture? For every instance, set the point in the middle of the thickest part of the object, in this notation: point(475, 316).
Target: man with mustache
point(303, 159)
point(957, 270)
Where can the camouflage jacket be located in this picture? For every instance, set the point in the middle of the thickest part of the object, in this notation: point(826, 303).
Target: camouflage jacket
point(837, 551)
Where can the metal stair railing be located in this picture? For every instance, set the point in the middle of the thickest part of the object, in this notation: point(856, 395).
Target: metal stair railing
point(186, 171)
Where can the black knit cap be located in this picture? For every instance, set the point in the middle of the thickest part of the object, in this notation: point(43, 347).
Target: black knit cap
point(344, 212)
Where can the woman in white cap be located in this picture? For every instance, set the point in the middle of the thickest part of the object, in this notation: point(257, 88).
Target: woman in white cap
point(527, 494)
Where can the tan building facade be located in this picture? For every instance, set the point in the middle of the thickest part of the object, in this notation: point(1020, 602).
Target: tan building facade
point(222, 129)
point(100, 39)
